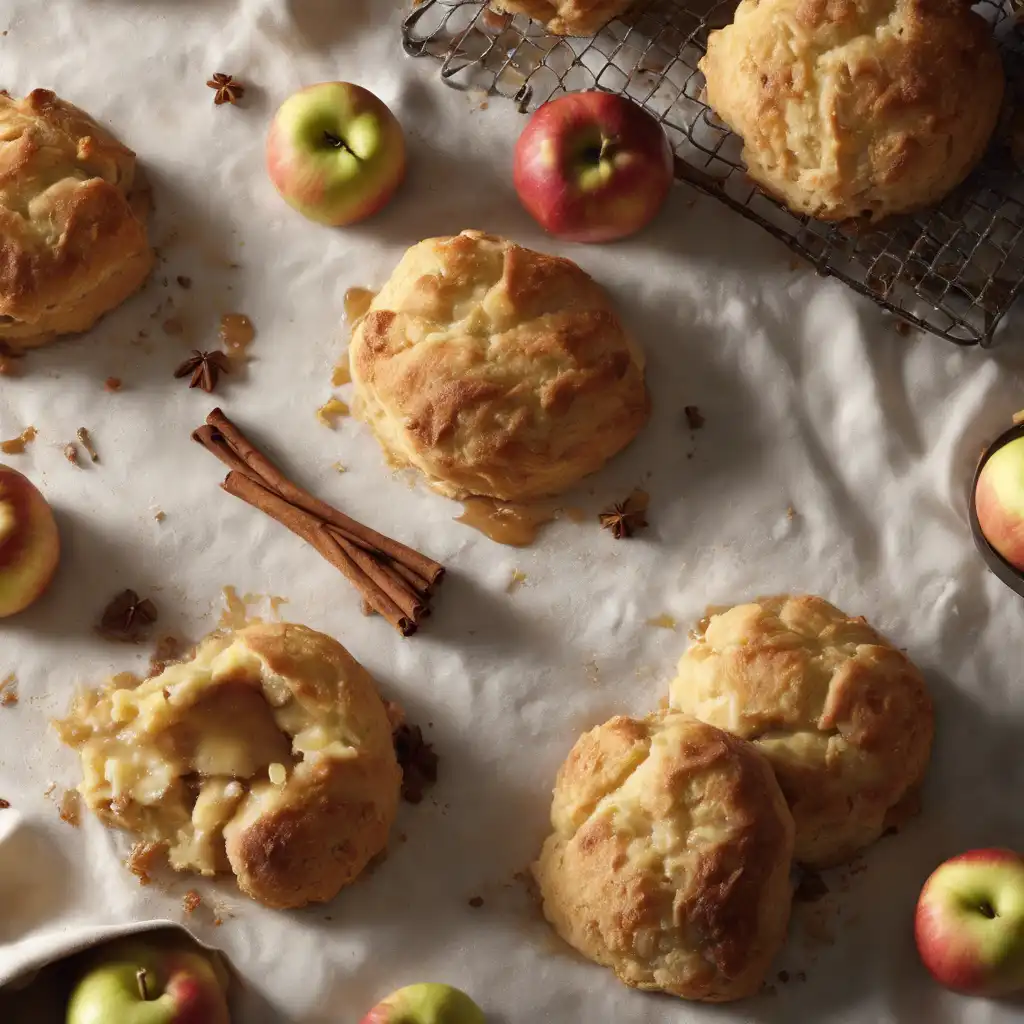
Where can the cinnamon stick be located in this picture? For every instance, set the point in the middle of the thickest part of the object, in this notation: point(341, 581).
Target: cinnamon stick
point(257, 463)
point(310, 530)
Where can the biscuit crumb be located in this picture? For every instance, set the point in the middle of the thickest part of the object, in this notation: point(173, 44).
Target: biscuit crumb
point(791, 513)
point(191, 901)
point(159, 515)
point(903, 328)
point(331, 411)
point(112, 384)
point(142, 859)
point(4, 804)
point(9, 691)
point(70, 808)
point(71, 454)
point(184, 282)
point(476, 902)
point(517, 580)
point(49, 789)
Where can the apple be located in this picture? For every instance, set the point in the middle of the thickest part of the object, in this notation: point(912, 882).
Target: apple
point(135, 982)
point(336, 153)
point(426, 1004)
point(592, 167)
point(969, 923)
point(29, 542)
point(999, 502)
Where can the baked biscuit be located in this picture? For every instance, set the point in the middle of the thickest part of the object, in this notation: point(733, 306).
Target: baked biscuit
point(844, 717)
point(73, 209)
point(268, 754)
point(567, 17)
point(856, 108)
point(670, 857)
point(496, 370)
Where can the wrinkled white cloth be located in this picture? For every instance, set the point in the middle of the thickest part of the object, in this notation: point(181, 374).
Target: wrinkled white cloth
point(813, 403)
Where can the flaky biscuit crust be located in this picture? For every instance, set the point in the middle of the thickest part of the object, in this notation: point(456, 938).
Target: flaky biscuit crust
point(73, 209)
point(670, 857)
point(496, 370)
point(186, 759)
point(567, 17)
point(856, 108)
point(843, 716)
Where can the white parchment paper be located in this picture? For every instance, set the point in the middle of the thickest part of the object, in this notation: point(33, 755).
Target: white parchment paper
point(813, 403)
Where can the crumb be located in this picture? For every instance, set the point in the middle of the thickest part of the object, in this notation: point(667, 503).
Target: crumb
point(17, 445)
point(217, 922)
point(694, 417)
point(784, 977)
point(476, 902)
point(484, 105)
point(159, 515)
point(811, 888)
point(4, 804)
point(142, 859)
point(903, 328)
point(517, 580)
point(331, 411)
point(190, 902)
point(663, 622)
point(71, 454)
point(791, 513)
point(86, 442)
point(184, 282)
point(70, 808)
point(49, 789)
point(9, 691)
point(112, 384)
point(417, 760)
point(338, 468)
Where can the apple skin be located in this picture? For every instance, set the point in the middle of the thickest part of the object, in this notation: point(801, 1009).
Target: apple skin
point(592, 167)
point(999, 501)
point(963, 947)
point(335, 153)
point(184, 987)
point(427, 1003)
point(29, 542)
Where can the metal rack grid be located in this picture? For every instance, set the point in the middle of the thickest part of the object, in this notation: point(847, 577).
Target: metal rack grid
point(953, 270)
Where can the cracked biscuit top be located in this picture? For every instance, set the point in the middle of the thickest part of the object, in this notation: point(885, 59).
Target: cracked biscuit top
point(843, 716)
point(669, 860)
point(496, 370)
point(73, 239)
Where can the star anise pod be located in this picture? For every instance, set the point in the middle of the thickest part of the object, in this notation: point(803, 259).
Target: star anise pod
point(624, 518)
point(127, 616)
point(205, 368)
point(227, 89)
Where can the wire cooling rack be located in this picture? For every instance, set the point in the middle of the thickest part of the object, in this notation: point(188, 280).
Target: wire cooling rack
point(953, 270)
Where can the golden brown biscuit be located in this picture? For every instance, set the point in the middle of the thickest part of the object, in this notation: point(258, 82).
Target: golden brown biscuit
point(670, 857)
point(844, 717)
point(856, 108)
point(73, 242)
point(567, 17)
point(496, 370)
point(268, 754)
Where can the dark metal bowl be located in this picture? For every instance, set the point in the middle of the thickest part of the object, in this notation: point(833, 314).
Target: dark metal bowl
point(1013, 578)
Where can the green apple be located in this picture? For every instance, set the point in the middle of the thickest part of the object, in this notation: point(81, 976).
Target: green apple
point(145, 982)
point(999, 501)
point(29, 542)
point(426, 1004)
point(335, 153)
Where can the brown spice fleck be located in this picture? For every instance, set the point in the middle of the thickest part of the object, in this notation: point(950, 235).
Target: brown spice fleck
point(71, 454)
point(204, 369)
point(184, 282)
point(811, 888)
point(159, 515)
point(142, 859)
point(126, 617)
point(476, 902)
point(227, 89)
point(4, 804)
point(694, 417)
point(70, 808)
point(86, 442)
point(903, 328)
point(217, 922)
point(191, 901)
point(417, 760)
point(624, 518)
point(17, 445)
point(112, 384)
point(784, 977)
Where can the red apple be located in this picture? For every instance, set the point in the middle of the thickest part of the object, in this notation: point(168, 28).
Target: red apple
point(426, 1004)
point(336, 153)
point(969, 924)
point(140, 982)
point(29, 542)
point(592, 167)
point(999, 500)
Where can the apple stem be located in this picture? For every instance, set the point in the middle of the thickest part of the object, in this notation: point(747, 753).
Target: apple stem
point(140, 977)
point(607, 145)
point(338, 143)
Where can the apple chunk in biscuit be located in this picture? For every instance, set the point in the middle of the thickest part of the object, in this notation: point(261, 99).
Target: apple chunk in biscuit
point(29, 542)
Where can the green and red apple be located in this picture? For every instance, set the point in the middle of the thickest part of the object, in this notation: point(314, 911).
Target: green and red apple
point(335, 153)
point(428, 1003)
point(969, 924)
point(29, 542)
point(139, 982)
point(999, 501)
point(592, 167)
